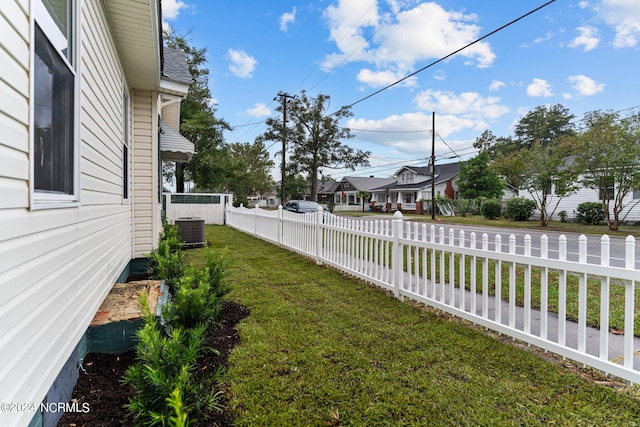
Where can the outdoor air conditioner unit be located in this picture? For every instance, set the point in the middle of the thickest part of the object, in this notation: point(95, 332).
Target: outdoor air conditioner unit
point(191, 231)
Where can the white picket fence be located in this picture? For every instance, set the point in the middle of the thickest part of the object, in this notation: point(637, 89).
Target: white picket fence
point(422, 263)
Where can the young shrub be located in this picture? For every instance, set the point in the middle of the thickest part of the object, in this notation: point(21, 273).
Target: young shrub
point(165, 363)
point(520, 209)
point(174, 401)
point(491, 209)
point(590, 213)
point(563, 216)
point(171, 235)
point(166, 264)
point(166, 261)
point(218, 266)
point(195, 302)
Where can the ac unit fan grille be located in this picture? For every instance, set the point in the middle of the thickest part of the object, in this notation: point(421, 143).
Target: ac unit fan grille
point(191, 231)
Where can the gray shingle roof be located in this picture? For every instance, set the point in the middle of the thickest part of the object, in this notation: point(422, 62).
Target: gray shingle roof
point(176, 67)
point(444, 172)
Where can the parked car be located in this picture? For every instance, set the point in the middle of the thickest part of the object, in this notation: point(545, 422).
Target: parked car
point(302, 206)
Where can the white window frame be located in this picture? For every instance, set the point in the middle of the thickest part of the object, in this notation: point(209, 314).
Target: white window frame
point(126, 142)
point(41, 16)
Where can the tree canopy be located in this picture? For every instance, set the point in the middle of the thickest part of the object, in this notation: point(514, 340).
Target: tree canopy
point(314, 138)
point(545, 125)
point(198, 122)
point(608, 154)
point(537, 158)
point(476, 179)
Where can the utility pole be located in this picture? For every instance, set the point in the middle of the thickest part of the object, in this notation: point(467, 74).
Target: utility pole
point(433, 165)
point(283, 98)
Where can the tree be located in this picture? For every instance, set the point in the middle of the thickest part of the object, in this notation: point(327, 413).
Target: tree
point(540, 164)
point(249, 169)
point(608, 154)
point(364, 196)
point(494, 146)
point(476, 179)
point(544, 126)
point(198, 122)
point(295, 186)
point(314, 138)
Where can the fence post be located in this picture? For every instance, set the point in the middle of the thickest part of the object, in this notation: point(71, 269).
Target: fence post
point(318, 227)
point(280, 228)
point(256, 220)
point(396, 254)
point(629, 310)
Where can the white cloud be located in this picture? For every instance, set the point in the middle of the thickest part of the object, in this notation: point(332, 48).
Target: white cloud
point(171, 9)
point(539, 87)
point(347, 23)
point(399, 41)
point(259, 110)
point(585, 86)
point(394, 131)
point(383, 78)
point(496, 85)
point(624, 17)
point(463, 112)
point(439, 75)
point(466, 104)
point(286, 19)
point(588, 38)
point(242, 64)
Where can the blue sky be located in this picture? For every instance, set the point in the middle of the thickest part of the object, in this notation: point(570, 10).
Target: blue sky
point(581, 54)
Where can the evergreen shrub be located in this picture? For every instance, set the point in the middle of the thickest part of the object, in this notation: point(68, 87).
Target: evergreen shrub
point(491, 209)
point(520, 209)
point(590, 213)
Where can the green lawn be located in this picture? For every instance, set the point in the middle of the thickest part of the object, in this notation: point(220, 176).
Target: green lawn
point(320, 348)
point(557, 226)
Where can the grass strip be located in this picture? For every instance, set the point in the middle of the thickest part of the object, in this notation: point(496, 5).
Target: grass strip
point(321, 348)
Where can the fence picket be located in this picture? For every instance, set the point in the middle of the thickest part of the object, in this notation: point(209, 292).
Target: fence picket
point(544, 287)
point(418, 262)
point(498, 280)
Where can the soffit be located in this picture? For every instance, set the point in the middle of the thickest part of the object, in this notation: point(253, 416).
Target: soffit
point(135, 24)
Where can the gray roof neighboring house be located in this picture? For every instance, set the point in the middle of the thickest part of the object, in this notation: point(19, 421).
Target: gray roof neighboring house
point(328, 187)
point(443, 173)
point(362, 183)
point(176, 67)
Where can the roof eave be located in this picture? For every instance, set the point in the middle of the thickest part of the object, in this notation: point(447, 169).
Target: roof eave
point(173, 88)
point(136, 26)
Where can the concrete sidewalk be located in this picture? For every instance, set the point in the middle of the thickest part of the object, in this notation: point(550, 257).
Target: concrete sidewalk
point(592, 347)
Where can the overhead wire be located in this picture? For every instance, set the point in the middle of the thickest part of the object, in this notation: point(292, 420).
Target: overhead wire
point(448, 56)
point(407, 76)
point(366, 40)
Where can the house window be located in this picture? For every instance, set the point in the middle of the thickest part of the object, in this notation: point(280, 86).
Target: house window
point(125, 146)
point(55, 168)
point(607, 190)
point(406, 178)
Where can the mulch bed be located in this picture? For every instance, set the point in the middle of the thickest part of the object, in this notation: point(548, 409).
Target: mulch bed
point(100, 385)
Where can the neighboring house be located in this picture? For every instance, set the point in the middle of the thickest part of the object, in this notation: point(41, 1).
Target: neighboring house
point(82, 89)
point(413, 183)
point(345, 193)
point(569, 204)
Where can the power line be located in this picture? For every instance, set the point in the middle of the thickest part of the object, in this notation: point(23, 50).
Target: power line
point(391, 131)
point(449, 55)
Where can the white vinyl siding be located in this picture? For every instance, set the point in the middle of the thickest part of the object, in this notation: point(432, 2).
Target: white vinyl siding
point(57, 265)
point(14, 106)
point(146, 208)
point(569, 204)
